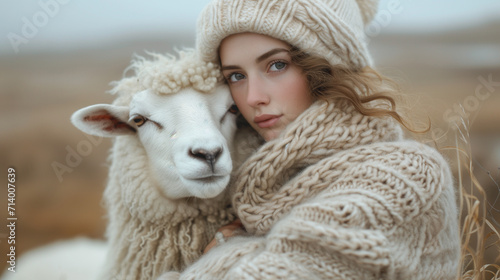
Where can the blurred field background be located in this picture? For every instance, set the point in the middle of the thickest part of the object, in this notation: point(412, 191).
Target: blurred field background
point(447, 73)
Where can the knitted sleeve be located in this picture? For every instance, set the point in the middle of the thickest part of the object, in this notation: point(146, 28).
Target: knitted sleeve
point(219, 260)
point(390, 214)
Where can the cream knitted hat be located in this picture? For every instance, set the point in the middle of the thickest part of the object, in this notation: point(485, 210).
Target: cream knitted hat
point(332, 29)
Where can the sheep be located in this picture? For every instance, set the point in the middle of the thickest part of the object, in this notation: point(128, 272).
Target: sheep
point(172, 125)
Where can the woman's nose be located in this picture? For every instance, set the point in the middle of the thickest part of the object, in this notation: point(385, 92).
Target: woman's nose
point(257, 94)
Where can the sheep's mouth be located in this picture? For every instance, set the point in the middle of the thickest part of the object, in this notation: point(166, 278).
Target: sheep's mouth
point(209, 179)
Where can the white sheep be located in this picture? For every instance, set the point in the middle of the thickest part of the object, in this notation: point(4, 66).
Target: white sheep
point(169, 165)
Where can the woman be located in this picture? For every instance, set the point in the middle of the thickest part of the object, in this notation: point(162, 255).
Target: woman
point(335, 192)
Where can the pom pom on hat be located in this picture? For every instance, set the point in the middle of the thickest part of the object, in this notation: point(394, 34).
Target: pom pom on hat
point(368, 9)
point(331, 29)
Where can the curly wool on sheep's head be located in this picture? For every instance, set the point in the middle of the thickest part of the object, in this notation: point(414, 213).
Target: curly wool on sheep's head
point(167, 74)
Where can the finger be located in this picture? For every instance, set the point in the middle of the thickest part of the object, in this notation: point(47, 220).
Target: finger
point(237, 222)
point(227, 232)
point(229, 228)
point(210, 246)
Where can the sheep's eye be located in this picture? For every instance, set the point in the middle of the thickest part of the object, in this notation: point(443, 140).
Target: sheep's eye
point(233, 109)
point(139, 120)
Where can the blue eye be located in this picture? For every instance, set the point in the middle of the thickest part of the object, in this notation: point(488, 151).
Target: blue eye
point(278, 66)
point(235, 77)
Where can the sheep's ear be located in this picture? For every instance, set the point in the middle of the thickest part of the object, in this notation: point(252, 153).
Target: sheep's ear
point(103, 120)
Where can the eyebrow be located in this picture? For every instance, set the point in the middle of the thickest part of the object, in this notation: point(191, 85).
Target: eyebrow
point(270, 53)
point(258, 59)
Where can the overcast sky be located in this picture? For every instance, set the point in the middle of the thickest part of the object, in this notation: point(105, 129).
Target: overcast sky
point(69, 23)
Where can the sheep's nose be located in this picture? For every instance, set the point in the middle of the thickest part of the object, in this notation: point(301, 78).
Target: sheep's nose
point(209, 156)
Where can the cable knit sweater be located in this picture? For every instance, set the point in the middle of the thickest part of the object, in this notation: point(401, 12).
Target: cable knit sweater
point(340, 196)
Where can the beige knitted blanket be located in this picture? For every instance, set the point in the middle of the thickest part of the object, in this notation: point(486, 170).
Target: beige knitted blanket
point(340, 196)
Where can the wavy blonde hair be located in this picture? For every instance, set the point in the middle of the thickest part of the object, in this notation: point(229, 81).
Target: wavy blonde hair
point(359, 87)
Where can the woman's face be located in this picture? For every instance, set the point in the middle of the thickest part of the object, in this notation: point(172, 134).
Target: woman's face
point(269, 90)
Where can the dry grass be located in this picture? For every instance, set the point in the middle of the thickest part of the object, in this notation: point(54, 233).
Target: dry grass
point(480, 231)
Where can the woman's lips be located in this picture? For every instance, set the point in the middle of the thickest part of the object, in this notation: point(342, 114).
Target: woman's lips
point(265, 121)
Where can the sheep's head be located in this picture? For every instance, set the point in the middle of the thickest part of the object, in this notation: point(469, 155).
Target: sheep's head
point(183, 118)
point(186, 136)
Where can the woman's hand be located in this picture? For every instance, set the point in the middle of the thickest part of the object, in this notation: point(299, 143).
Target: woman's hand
point(224, 232)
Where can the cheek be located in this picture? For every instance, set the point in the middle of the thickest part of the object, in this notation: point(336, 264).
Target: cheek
point(240, 101)
point(297, 95)
point(237, 98)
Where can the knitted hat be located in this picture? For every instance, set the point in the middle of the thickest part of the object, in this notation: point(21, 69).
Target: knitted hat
point(332, 29)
